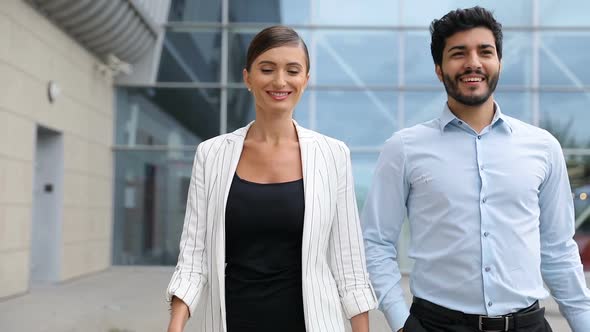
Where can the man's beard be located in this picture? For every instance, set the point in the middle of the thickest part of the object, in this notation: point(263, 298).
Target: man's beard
point(475, 100)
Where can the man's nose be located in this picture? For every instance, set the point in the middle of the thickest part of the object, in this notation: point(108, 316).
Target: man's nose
point(472, 61)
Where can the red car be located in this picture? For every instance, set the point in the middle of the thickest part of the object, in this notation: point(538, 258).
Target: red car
point(583, 241)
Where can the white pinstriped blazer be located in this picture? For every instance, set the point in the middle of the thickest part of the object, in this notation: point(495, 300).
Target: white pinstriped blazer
point(334, 276)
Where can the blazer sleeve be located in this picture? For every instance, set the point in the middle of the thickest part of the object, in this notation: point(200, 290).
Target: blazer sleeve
point(190, 276)
point(347, 256)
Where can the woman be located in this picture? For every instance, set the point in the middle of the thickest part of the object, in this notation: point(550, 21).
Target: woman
point(271, 238)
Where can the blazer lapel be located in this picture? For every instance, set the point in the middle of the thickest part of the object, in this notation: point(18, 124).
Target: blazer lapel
point(307, 145)
point(231, 157)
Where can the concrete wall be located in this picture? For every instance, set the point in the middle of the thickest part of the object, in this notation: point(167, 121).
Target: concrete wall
point(32, 52)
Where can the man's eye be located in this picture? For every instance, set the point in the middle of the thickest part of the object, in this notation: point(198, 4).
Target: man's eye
point(293, 72)
point(266, 70)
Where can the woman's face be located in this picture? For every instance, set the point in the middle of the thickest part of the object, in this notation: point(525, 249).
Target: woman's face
point(277, 78)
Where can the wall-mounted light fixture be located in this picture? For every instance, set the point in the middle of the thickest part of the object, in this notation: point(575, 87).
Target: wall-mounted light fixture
point(53, 91)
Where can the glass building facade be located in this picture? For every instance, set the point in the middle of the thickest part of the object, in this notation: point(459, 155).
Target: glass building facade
point(371, 75)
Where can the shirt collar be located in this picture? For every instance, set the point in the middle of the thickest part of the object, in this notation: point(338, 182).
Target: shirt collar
point(499, 118)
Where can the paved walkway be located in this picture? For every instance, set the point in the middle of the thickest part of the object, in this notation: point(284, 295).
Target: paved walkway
point(125, 299)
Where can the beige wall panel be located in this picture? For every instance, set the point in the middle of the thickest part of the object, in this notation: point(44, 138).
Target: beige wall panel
point(17, 136)
point(77, 157)
point(14, 272)
point(15, 227)
point(18, 182)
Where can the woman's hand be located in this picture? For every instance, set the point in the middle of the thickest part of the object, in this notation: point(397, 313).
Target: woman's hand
point(360, 322)
point(179, 315)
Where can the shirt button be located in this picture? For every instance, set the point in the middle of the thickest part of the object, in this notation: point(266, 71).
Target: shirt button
point(481, 167)
point(490, 304)
point(478, 136)
point(484, 200)
point(487, 269)
point(486, 234)
point(460, 122)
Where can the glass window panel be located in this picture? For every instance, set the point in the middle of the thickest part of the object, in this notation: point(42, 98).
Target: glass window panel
point(358, 58)
point(509, 13)
point(516, 59)
point(579, 173)
point(566, 116)
point(564, 13)
point(269, 11)
point(162, 116)
point(240, 109)
point(418, 63)
point(363, 167)
point(515, 104)
point(238, 50)
point(195, 10)
point(563, 59)
point(423, 106)
point(190, 57)
point(150, 199)
point(353, 12)
point(359, 118)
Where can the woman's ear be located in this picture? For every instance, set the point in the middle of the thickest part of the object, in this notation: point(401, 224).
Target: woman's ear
point(246, 77)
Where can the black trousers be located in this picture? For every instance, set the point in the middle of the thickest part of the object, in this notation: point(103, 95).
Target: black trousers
point(429, 317)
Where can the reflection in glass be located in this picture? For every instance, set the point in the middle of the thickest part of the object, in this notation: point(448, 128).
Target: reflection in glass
point(418, 63)
point(363, 166)
point(359, 118)
point(566, 116)
point(269, 11)
point(422, 12)
point(238, 50)
point(190, 57)
point(516, 59)
point(423, 106)
point(351, 12)
point(170, 117)
point(358, 58)
point(515, 104)
point(150, 198)
point(195, 10)
point(578, 167)
point(563, 59)
point(560, 14)
point(240, 109)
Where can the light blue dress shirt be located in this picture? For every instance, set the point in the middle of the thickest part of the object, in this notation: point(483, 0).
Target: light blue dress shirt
point(491, 217)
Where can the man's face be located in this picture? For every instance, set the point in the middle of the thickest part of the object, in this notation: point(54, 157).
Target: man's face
point(470, 66)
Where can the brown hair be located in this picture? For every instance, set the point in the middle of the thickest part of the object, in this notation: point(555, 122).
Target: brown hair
point(272, 37)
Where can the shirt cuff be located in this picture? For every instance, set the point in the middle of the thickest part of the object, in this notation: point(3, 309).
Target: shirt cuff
point(359, 301)
point(396, 315)
point(579, 322)
point(186, 291)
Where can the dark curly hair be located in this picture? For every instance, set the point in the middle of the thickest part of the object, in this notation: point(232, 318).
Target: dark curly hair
point(460, 20)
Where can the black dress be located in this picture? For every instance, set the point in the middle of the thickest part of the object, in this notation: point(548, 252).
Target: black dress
point(263, 235)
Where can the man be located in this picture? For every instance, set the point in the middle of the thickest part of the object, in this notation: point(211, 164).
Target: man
point(488, 201)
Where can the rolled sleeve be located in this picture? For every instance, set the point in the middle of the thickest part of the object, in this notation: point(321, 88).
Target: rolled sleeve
point(186, 290)
point(347, 261)
point(190, 276)
point(358, 301)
